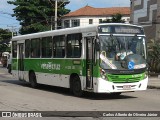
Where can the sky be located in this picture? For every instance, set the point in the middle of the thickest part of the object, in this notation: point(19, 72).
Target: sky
point(7, 22)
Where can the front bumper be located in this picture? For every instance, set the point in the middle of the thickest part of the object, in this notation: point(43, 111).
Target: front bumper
point(104, 86)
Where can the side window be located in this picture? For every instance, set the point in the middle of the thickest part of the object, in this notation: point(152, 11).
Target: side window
point(27, 48)
point(90, 21)
point(66, 23)
point(74, 45)
point(14, 49)
point(59, 46)
point(75, 22)
point(46, 48)
point(100, 20)
point(35, 48)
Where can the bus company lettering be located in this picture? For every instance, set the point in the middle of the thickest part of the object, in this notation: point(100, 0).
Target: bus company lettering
point(49, 66)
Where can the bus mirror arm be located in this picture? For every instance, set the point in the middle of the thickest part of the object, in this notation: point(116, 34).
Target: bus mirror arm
point(97, 48)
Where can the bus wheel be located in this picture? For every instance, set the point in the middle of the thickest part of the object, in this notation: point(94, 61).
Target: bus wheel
point(32, 80)
point(76, 88)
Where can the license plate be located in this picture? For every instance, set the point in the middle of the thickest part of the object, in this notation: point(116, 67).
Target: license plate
point(126, 87)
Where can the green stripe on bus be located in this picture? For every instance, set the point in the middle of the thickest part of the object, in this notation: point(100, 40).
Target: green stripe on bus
point(56, 66)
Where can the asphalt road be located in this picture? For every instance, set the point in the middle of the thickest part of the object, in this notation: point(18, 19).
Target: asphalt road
point(19, 96)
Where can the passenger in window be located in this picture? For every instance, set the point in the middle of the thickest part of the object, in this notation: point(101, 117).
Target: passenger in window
point(32, 54)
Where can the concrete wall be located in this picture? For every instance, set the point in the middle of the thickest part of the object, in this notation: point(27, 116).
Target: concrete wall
point(144, 12)
point(158, 22)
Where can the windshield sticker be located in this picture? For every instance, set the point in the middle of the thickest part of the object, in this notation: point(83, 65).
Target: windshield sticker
point(139, 66)
point(105, 59)
point(131, 65)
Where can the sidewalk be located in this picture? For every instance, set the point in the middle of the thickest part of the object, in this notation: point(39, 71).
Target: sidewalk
point(154, 82)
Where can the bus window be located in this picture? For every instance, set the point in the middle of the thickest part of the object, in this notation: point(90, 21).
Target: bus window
point(27, 48)
point(46, 48)
point(59, 46)
point(74, 45)
point(14, 49)
point(35, 48)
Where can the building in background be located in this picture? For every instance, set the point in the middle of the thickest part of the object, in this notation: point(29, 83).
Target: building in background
point(158, 21)
point(91, 16)
point(147, 14)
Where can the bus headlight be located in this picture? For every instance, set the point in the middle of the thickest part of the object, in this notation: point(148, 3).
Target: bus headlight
point(103, 73)
point(145, 75)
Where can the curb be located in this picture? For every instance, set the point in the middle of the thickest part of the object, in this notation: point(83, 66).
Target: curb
point(153, 87)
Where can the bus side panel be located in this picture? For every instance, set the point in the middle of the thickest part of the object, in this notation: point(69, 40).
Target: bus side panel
point(15, 68)
point(54, 71)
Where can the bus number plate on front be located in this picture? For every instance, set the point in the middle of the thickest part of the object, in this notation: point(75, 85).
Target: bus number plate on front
point(126, 87)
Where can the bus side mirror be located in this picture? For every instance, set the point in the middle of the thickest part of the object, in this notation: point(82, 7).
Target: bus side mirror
point(96, 49)
point(97, 46)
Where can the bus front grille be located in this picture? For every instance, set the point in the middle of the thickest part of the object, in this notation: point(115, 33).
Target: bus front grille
point(123, 78)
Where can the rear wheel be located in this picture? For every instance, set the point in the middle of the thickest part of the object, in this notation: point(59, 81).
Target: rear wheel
point(76, 86)
point(32, 80)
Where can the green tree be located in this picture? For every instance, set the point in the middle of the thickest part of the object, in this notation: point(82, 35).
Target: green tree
point(5, 36)
point(153, 56)
point(117, 18)
point(35, 15)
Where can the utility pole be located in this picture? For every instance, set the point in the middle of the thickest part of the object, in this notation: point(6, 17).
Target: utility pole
point(51, 22)
point(12, 29)
point(55, 18)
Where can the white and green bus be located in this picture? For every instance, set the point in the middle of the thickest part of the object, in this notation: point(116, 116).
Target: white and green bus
point(104, 58)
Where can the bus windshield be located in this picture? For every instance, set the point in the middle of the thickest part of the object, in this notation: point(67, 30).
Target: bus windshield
point(122, 52)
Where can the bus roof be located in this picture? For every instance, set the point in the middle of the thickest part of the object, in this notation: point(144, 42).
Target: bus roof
point(89, 28)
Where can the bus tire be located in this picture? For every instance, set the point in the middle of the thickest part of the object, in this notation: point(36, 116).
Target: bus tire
point(76, 87)
point(32, 80)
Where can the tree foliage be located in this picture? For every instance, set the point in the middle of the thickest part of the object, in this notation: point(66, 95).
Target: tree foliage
point(35, 15)
point(153, 56)
point(117, 18)
point(5, 36)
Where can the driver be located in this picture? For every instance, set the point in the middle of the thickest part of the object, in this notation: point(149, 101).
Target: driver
point(122, 54)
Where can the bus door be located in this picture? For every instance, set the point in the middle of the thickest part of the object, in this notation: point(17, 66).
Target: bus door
point(21, 61)
point(89, 61)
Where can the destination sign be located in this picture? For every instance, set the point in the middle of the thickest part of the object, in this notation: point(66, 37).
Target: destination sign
point(120, 29)
point(127, 29)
